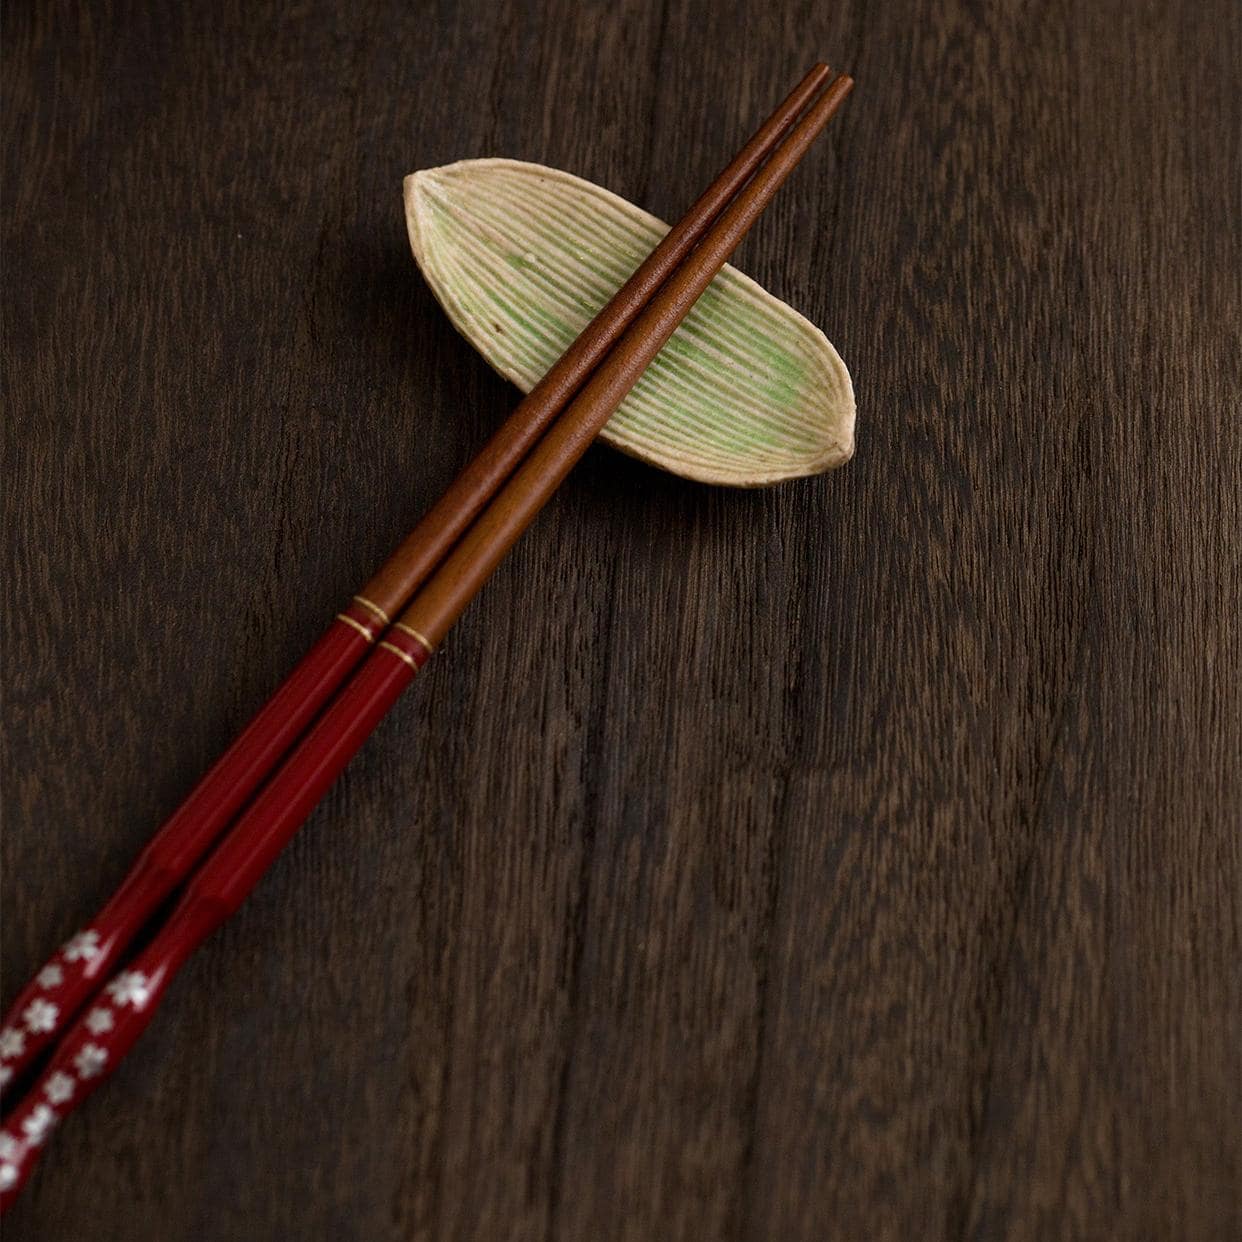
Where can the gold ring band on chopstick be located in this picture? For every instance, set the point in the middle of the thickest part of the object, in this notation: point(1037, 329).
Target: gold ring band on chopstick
point(362, 629)
point(415, 635)
point(401, 655)
point(375, 608)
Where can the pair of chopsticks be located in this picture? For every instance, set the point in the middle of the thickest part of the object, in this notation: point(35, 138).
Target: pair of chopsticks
point(356, 671)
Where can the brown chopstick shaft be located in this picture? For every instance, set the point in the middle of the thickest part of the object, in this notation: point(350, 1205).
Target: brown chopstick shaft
point(429, 542)
point(472, 561)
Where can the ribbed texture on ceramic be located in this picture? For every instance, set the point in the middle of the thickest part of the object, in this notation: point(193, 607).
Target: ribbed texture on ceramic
point(521, 257)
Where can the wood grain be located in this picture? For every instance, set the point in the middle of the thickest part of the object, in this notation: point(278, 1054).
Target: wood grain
point(858, 858)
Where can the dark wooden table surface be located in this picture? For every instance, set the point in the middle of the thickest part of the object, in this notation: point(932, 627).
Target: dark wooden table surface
point(853, 859)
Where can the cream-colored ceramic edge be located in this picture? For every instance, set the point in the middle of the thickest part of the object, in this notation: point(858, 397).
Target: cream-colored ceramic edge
point(837, 450)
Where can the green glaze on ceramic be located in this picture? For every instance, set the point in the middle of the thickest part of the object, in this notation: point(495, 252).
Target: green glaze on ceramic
point(522, 257)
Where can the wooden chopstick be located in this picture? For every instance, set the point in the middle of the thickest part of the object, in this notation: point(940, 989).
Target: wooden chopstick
point(93, 1047)
point(64, 983)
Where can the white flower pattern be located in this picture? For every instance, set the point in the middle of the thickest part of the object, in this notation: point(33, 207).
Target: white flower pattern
point(8, 1175)
point(90, 1060)
point(40, 1015)
point(100, 1020)
point(130, 987)
point(84, 947)
point(8, 1146)
point(37, 1125)
point(50, 976)
point(6, 1074)
point(12, 1043)
point(58, 1088)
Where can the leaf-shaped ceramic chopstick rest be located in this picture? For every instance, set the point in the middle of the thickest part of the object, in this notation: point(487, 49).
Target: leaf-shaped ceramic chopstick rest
point(521, 257)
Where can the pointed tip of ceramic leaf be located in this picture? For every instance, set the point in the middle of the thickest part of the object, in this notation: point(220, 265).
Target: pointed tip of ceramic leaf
point(521, 257)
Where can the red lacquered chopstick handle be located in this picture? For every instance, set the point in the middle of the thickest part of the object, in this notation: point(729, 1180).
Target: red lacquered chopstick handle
point(92, 1049)
point(47, 1004)
point(109, 1028)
